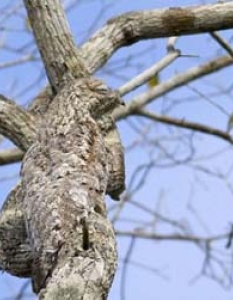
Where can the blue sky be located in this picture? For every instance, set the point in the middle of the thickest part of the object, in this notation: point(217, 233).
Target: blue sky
point(179, 263)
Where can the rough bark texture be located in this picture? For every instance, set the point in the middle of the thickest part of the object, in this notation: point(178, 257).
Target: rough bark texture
point(102, 45)
point(64, 181)
point(115, 151)
point(16, 123)
point(69, 245)
point(65, 175)
point(54, 40)
point(115, 187)
point(132, 27)
point(16, 255)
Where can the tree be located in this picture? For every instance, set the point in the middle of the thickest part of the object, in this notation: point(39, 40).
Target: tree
point(69, 70)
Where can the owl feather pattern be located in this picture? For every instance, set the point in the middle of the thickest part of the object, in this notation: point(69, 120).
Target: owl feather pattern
point(15, 251)
point(64, 177)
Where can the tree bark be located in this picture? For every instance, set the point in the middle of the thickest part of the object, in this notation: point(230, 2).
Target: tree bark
point(64, 181)
point(65, 170)
point(54, 40)
point(76, 257)
point(130, 28)
point(16, 123)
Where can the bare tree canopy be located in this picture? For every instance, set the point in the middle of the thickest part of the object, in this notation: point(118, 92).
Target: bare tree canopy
point(153, 134)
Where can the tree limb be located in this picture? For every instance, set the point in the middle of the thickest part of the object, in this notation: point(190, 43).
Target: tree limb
point(10, 156)
point(176, 81)
point(222, 42)
point(186, 124)
point(54, 40)
point(16, 123)
point(173, 83)
point(169, 237)
point(131, 27)
point(150, 72)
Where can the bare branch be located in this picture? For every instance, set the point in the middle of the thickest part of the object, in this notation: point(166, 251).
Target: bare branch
point(10, 156)
point(222, 42)
point(169, 237)
point(130, 28)
point(186, 124)
point(176, 81)
point(147, 74)
point(18, 61)
point(54, 39)
point(16, 124)
point(171, 43)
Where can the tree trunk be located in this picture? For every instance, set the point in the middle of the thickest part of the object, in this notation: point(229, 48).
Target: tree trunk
point(65, 173)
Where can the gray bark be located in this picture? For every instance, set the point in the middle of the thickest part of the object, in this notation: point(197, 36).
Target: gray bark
point(54, 40)
point(65, 175)
point(16, 123)
point(70, 162)
point(64, 181)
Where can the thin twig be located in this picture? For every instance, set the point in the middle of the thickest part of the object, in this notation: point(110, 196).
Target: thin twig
point(222, 42)
point(174, 82)
point(169, 237)
point(185, 124)
point(150, 72)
